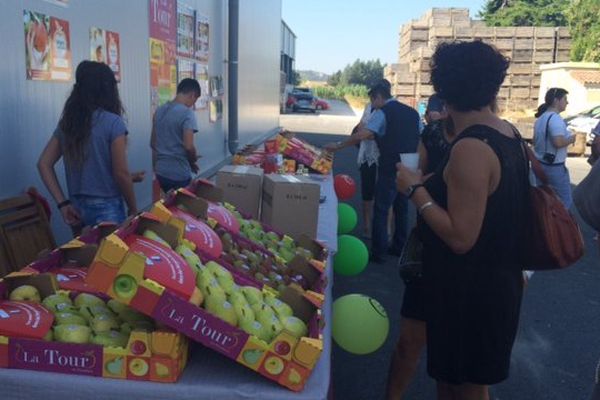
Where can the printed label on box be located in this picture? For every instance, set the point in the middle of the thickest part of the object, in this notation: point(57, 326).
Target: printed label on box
point(200, 233)
point(55, 357)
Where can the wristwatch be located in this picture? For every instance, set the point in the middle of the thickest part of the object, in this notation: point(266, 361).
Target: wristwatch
point(412, 189)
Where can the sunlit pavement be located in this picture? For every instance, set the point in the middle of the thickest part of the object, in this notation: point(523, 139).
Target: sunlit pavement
point(558, 345)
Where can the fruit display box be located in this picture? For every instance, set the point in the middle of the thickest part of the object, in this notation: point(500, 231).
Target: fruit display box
point(26, 335)
point(273, 266)
point(285, 354)
point(316, 159)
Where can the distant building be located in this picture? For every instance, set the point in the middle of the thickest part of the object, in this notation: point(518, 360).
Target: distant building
point(581, 80)
point(528, 47)
point(288, 52)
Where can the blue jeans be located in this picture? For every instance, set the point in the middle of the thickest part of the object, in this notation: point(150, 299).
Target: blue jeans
point(94, 210)
point(167, 184)
point(386, 196)
point(560, 181)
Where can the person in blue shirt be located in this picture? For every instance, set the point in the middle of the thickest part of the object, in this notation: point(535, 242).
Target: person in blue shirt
point(395, 128)
point(91, 136)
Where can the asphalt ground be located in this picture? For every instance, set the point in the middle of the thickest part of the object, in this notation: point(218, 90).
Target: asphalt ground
point(558, 343)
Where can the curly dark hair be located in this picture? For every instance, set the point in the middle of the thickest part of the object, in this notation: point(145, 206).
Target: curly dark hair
point(95, 88)
point(468, 75)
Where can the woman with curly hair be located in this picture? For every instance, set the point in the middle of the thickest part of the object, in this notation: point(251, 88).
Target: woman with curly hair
point(474, 225)
point(91, 136)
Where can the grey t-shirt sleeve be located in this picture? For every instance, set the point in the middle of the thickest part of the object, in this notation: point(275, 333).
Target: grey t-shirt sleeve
point(118, 128)
point(376, 123)
point(557, 127)
point(189, 121)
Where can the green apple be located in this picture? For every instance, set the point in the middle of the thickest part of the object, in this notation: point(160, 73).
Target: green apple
point(126, 328)
point(222, 309)
point(219, 271)
point(116, 306)
point(274, 325)
point(264, 314)
point(103, 323)
point(295, 326)
point(72, 333)
point(89, 300)
point(89, 312)
point(257, 329)
point(131, 316)
point(110, 338)
point(25, 293)
point(237, 297)
point(190, 257)
point(49, 336)
point(243, 312)
point(150, 234)
point(282, 309)
point(68, 318)
point(147, 326)
point(50, 302)
point(228, 285)
point(212, 288)
point(253, 295)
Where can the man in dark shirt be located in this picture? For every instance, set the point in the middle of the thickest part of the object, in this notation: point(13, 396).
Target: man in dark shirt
point(395, 128)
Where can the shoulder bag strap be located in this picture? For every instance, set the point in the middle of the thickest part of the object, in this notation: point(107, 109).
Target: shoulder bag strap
point(546, 135)
point(534, 164)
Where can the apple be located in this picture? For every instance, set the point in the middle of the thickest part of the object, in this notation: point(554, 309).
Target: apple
point(131, 316)
point(150, 234)
point(161, 370)
point(86, 299)
point(265, 314)
point(25, 293)
point(138, 367)
point(110, 338)
point(68, 318)
point(190, 257)
point(274, 365)
point(126, 328)
point(294, 377)
point(218, 270)
point(274, 325)
point(222, 309)
point(281, 308)
point(103, 323)
point(237, 297)
point(50, 302)
point(257, 329)
point(243, 312)
point(72, 333)
point(295, 326)
point(147, 326)
point(253, 295)
point(116, 306)
point(89, 312)
point(229, 286)
point(213, 289)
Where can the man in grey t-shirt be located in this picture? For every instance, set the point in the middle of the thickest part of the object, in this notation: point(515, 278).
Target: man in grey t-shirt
point(174, 154)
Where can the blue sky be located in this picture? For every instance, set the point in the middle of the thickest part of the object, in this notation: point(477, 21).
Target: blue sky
point(334, 33)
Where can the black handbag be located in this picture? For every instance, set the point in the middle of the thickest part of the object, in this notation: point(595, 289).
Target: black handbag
point(410, 264)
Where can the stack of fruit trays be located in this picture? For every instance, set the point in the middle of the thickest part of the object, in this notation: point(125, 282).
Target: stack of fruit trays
point(316, 159)
point(149, 265)
point(46, 329)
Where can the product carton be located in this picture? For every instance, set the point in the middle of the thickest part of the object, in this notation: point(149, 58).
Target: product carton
point(286, 359)
point(242, 187)
point(158, 356)
point(291, 204)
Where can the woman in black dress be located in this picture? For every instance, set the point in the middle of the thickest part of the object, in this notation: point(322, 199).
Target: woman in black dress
point(474, 226)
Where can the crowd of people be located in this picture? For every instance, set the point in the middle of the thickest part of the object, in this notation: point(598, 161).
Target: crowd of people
point(470, 191)
point(91, 139)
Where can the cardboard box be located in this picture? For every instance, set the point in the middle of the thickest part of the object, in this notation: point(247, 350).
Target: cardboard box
point(242, 187)
point(291, 204)
point(158, 356)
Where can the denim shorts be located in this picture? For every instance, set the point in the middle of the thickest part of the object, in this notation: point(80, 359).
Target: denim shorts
point(167, 184)
point(94, 210)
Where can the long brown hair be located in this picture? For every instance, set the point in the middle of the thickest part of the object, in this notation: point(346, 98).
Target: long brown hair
point(95, 88)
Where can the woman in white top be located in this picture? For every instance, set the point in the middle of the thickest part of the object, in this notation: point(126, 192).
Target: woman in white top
point(551, 139)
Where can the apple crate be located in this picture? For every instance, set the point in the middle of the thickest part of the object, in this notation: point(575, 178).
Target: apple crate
point(241, 254)
point(284, 355)
point(25, 326)
point(316, 159)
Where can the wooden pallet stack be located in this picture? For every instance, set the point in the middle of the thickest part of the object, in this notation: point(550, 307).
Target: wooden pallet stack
point(528, 47)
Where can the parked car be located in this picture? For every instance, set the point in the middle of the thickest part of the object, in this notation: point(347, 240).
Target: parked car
point(322, 104)
point(584, 122)
point(303, 102)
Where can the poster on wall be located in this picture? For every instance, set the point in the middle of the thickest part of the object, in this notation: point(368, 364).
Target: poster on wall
point(185, 30)
point(105, 47)
point(215, 110)
point(202, 37)
point(47, 47)
point(163, 48)
point(216, 86)
point(202, 78)
point(185, 69)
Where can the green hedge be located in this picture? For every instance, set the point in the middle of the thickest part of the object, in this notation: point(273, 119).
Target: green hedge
point(340, 92)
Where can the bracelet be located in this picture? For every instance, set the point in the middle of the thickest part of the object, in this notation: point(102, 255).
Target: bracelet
point(412, 189)
point(426, 206)
point(63, 204)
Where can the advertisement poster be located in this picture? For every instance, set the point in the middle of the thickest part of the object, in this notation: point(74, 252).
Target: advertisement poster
point(202, 36)
point(47, 47)
point(163, 47)
point(185, 69)
point(105, 47)
point(202, 78)
point(215, 110)
point(185, 30)
point(216, 86)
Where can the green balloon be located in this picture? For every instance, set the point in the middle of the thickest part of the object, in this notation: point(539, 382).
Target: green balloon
point(360, 324)
point(346, 218)
point(352, 256)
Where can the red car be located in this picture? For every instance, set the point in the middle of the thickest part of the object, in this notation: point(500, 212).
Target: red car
point(322, 104)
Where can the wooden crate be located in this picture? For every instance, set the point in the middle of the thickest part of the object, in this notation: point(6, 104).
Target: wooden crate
point(520, 93)
point(483, 32)
point(522, 55)
point(563, 32)
point(544, 32)
point(504, 32)
point(563, 55)
point(504, 92)
point(524, 31)
point(564, 44)
point(544, 44)
point(523, 44)
point(424, 90)
point(404, 90)
point(543, 56)
point(520, 68)
point(463, 33)
point(504, 44)
point(520, 81)
point(445, 32)
point(24, 233)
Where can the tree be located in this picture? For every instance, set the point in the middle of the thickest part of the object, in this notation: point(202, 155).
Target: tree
point(584, 25)
point(296, 80)
point(334, 79)
point(365, 73)
point(525, 12)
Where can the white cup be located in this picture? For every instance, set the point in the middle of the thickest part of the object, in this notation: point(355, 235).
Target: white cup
point(410, 160)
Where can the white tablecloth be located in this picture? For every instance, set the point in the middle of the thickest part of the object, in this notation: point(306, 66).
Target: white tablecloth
point(208, 375)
